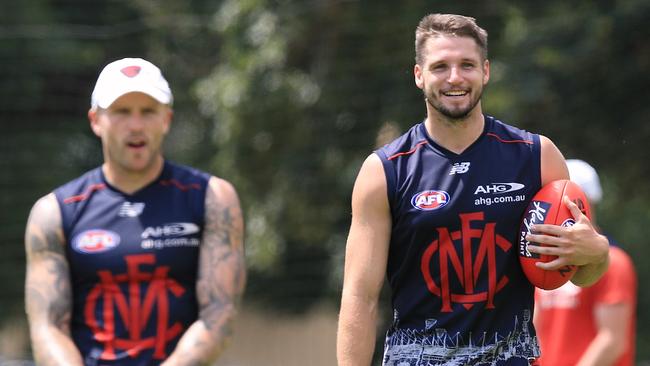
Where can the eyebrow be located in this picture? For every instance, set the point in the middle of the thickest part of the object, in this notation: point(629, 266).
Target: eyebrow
point(444, 61)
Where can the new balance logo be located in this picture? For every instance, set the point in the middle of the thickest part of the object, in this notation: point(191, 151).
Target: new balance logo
point(459, 168)
point(131, 209)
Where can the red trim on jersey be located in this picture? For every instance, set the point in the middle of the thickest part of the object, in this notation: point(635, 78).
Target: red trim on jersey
point(84, 196)
point(179, 185)
point(417, 146)
point(530, 142)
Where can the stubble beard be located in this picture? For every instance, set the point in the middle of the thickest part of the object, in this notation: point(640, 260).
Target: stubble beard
point(139, 163)
point(458, 114)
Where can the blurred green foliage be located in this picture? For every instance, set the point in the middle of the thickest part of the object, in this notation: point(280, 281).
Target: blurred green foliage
point(286, 98)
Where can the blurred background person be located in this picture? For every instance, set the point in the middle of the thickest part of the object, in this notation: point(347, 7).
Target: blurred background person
point(139, 261)
point(593, 325)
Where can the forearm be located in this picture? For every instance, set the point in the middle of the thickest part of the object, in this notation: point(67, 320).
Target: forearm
point(205, 340)
point(356, 331)
point(589, 274)
point(604, 350)
point(48, 308)
point(52, 347)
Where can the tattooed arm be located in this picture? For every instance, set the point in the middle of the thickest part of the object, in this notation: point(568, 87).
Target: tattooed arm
point(221, 278)
point(48, 294)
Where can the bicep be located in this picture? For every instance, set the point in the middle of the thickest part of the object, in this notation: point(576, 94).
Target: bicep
point(368, 241)
point(553, 165)
point(47, 288)
point(221, 268)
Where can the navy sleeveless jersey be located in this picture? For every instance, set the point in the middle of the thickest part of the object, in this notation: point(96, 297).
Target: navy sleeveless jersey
point(133, 263)
point(458, 292)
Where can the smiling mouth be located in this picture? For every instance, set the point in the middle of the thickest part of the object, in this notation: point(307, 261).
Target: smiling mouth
point(455, 93)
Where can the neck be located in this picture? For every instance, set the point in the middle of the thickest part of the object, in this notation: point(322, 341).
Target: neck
point(130, 181)
point(455, 135)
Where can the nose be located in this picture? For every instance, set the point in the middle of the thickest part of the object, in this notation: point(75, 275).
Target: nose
point(136, 121)
point(454, 75)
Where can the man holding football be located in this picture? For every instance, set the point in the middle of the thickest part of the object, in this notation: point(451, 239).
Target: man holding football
point(420, 218)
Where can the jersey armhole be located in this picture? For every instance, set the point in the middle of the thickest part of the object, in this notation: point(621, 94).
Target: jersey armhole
point(536, 148)
point(200, 207)
point(391, 178)
point(65, 219)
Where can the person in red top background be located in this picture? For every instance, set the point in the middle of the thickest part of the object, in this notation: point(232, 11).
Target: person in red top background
point(594, 325)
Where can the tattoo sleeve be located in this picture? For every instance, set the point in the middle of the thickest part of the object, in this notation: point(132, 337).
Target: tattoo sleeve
point(48, 293)
point(221, 278)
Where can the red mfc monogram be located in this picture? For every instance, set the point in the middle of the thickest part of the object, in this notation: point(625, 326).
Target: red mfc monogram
point(134, 308)
point(467, 265)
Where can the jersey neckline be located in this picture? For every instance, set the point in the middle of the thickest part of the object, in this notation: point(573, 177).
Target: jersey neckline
point(487, 126)
point(163, 173)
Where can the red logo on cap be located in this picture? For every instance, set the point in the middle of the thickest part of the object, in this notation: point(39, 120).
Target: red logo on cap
point(131, 71)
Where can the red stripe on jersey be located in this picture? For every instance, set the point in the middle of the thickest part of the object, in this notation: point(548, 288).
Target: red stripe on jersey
point(85, 195)
point(179, 185)
point(530, 142)
point(417, 146)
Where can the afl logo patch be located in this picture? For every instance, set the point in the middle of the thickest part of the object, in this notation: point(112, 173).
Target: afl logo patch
point(95, 241)
point(430, 200)
point(568, 222)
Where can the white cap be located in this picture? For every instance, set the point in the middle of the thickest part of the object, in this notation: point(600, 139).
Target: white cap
point(587, 178)
point(130, 75)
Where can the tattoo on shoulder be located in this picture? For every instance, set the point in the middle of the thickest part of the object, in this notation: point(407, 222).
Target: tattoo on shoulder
point(223, 218)
point(48, 290)
point(44, 231)
point(222, 269)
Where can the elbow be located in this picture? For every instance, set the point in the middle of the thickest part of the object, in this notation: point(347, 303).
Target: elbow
point(584, 281)
point(217, 322)
point(615, 346)
point(618, 350)
point(589, 274)
point(218, 319)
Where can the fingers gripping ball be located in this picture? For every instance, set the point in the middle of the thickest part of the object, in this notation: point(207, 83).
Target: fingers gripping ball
point(547, 207)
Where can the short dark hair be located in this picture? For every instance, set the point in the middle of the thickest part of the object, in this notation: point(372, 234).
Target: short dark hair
point(435, 25)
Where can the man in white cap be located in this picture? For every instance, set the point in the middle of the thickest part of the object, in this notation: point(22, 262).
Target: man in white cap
point(138, 261)
point(594, 325)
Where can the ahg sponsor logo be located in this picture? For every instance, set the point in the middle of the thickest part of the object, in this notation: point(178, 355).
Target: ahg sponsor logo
point(488, 201)
point(172, 235)
point(498, 188)
point(171, 229)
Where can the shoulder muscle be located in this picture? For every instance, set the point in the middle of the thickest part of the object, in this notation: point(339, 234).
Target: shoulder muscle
point(553, 165)
point(44, 232)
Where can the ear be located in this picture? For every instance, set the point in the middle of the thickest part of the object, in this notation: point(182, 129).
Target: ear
point(94, 121)
point(486, 72)
point(417, 74)
point(168, 120)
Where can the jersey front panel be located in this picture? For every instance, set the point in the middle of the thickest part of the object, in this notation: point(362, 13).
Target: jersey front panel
point(459, 294)
point(133, 264)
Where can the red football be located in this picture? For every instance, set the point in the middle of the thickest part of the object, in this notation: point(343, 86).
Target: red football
point(547, 207)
